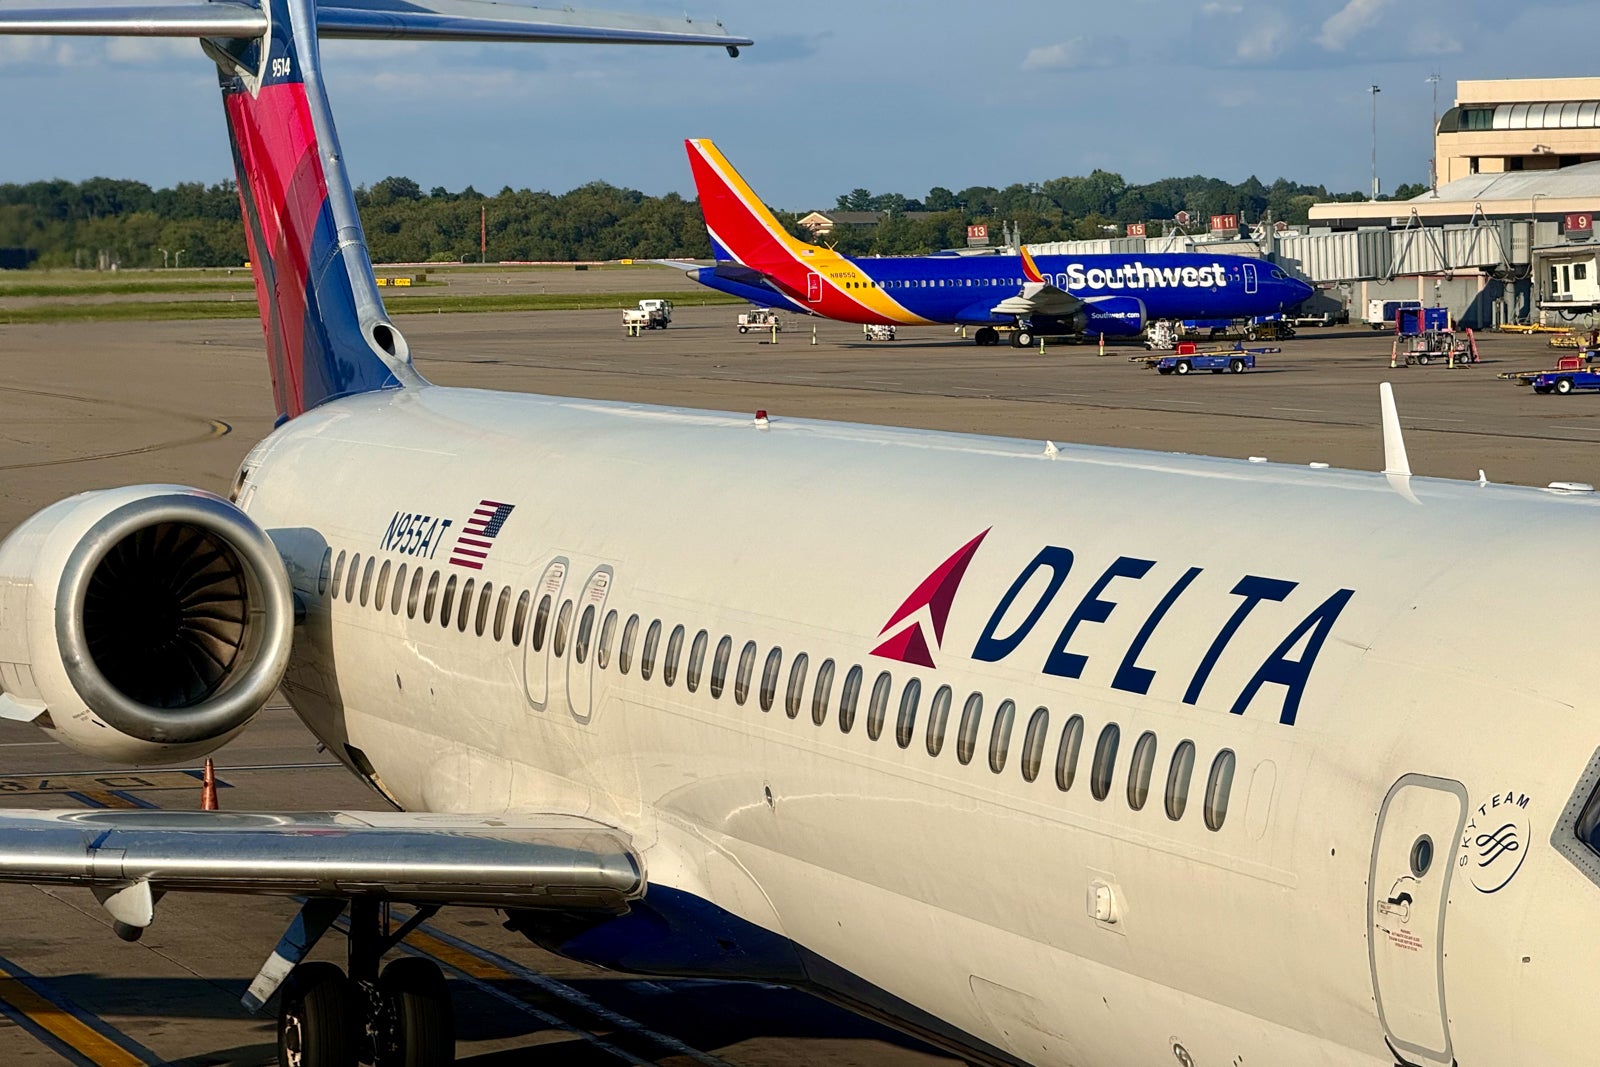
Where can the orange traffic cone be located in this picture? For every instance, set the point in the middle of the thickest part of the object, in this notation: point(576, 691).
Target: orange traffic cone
point(208, 787)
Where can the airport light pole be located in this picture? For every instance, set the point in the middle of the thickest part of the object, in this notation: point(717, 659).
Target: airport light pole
point(1374, 90)
point(166, 258)
point(1433, 132)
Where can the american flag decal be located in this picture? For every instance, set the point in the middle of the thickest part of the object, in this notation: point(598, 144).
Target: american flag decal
point(477, 536)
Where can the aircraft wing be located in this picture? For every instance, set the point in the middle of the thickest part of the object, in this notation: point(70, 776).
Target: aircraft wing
point(1038, 298)
point(129, 858)
point(428, 20)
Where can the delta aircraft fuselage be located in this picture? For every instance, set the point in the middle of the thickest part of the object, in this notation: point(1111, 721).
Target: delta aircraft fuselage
point(966, 730)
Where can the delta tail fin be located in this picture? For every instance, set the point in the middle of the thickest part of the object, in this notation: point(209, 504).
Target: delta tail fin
point(327, 333)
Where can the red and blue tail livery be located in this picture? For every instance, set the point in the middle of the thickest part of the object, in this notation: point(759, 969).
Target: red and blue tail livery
point(1114, 295)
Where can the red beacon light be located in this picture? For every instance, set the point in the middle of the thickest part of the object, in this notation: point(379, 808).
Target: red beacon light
point(761, 418)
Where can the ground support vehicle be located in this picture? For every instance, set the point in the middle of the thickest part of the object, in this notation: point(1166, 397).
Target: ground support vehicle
point(649, 315)
point(1382, 314)
point(1565, 381)
point(1323, 318)
point(760, 319)
point(1425, 335)
point(1232, 362)
point(1566, 365)
point(659, 309)
point(875, 332)
point(1164, 335)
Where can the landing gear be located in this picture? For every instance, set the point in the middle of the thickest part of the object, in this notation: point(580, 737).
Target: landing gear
point(986, 335)
point(400, 1018)
point(319, 1019)
point(1021, 337)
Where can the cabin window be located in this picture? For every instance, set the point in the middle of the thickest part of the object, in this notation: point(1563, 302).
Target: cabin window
point(382, 592)
point(747, 671)
point(848, 698)
point(563, 629)
point(322, 573)
point(414, 598)
point(669, 669)
point(1218, 786)
point(502, 611)
point(355, 563)
point(1067, 753)
point(1139, 770)
point(967, 735)
point(797, 685)
point(519, 621)
point(719, 666)
point(822, 693)
point(1105, 761)
point(905, 726)
point(697, 661)
point(466, 605)
point(938, 719)
point(366, 580)
point(485, 598)
point(878, 707)
point(1178, 776)
point(647, 655)
point(447, 601)
point(580, 646)
point(630, 634)
point(541, 622)
point(769, 678)
point(1000, 735)
point(1033, 743)
point(399, 590)
point(433, 594)
point(608, 634)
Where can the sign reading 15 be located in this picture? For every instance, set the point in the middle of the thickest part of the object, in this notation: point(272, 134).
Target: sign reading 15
point(280, 67)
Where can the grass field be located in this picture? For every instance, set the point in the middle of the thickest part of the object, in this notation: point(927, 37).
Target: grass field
point(167, 310)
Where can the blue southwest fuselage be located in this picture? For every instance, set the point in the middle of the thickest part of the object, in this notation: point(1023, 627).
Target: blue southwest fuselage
point(1113, 294)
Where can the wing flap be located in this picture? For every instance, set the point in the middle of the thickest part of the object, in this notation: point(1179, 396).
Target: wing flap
point(1038, 298)
point(534, 861)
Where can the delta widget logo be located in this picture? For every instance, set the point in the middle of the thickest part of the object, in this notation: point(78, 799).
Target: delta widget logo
point(909, 641)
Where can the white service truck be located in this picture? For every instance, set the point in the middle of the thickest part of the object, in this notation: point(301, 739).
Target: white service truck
point(760, 319)
point(649, 315)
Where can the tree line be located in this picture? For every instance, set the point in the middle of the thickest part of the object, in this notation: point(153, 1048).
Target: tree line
point(82, 224)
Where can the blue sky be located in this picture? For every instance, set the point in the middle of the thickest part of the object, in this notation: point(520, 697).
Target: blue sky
point(892, 97)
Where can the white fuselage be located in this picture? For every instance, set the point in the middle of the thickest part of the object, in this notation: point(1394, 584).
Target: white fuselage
point(1060, 927)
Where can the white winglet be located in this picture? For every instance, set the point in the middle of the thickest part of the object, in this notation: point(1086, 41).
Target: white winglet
point(1394, 443)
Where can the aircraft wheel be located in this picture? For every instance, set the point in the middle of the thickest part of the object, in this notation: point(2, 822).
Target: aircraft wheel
point(1021, 339)
point(986, 335)
point(1236, 366)
point(418, 1018)
point(319, 1020)
point(1183, 367)
point(1564, 386)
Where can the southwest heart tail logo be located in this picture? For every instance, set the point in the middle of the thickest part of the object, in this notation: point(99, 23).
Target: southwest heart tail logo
point(936, 593)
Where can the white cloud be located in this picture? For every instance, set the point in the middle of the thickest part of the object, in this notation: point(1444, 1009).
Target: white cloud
point(1266, 41)
point(148, 51)
point(1347, 23)
point(1079, 53)
point(1216, 7)
point(26, 51)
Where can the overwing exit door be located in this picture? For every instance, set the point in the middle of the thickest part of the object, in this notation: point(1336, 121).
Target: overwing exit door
point(1418, 827)
point(580, 665)
point(536, 650)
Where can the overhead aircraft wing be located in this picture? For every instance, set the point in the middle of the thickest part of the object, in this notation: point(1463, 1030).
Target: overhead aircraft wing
point(129, 858)
point(427, 20)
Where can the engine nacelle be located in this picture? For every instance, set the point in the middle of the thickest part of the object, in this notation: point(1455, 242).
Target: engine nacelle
point(1114, 316)
point(142, 625)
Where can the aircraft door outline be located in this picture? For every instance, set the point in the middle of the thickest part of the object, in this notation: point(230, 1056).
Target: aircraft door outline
point(536, 661)
point(814, 287)
point(1249, 277)
point(1408, 888)
point(589, 617)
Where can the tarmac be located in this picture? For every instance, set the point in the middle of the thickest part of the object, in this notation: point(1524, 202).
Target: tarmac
point(89, 405)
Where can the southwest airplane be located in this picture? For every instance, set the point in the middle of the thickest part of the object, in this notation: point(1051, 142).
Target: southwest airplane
point(1067, 756)
point(1089, 295)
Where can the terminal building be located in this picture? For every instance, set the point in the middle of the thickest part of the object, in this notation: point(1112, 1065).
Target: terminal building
point(1508, 233)
point(1506, 236)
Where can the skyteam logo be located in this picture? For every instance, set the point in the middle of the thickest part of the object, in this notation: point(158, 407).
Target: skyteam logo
point(929, 602)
